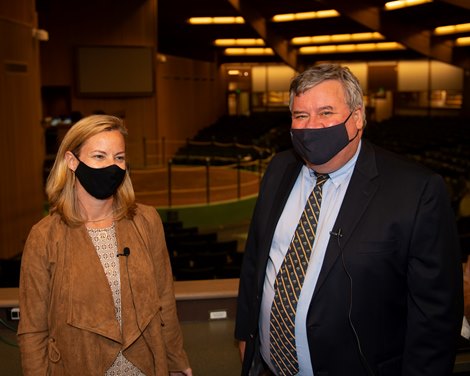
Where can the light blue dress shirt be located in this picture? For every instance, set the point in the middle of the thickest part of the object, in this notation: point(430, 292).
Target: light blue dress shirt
point(333, 193)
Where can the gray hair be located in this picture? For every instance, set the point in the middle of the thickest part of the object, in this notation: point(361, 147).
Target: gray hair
point(322, 72)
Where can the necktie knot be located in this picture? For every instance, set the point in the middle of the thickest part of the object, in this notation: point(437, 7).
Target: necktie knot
point(321, 178)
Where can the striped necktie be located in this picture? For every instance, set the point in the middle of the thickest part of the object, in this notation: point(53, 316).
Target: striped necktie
point(288, 285)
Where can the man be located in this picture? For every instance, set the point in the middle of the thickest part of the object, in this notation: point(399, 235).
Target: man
point(382, 291)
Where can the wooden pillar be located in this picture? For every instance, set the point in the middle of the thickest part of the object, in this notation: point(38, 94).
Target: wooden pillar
point(21, 140)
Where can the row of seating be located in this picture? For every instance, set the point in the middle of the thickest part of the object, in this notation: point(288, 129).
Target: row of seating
point(243, 129)
point(440, 143)
point(218, 154)
point(10, 272)
point(226, 140)
point(196, 255)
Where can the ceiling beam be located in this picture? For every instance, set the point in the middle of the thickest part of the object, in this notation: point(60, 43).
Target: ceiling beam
point(411, 36)
point(280, 46)
point(458, 3)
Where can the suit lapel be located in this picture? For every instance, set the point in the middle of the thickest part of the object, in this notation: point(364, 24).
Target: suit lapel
point(361, 189)
point(289, 177)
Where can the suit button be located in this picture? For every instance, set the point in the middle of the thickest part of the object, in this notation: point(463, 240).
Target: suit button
point(252, 336)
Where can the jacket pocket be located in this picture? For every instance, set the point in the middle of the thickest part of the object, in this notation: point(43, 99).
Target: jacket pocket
point(377, 247)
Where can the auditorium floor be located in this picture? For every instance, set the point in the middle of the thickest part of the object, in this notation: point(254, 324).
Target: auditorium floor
point(210, 345)
point(211, 348)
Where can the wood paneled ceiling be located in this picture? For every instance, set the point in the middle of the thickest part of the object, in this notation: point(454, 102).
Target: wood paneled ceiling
point(413, 27)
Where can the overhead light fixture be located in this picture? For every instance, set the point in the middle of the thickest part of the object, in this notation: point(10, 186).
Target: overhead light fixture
point(335, 38)
point(239, 42)
point(305, 15)
point(215, 20)
point(452, 29)
point(343, 48)
point(392, 5)
point(233, 72)
point(464, 41)
point(248, 51)
point(40, 34)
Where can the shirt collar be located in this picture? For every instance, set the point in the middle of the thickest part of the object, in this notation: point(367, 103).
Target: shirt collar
point(339, 176)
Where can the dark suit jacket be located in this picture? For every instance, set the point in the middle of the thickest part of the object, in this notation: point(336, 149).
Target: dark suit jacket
point(396, 268)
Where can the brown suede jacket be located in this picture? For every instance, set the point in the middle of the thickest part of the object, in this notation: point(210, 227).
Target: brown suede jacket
point(68, 324)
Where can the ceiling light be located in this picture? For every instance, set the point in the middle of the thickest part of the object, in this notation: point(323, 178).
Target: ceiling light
point(305, 15)
point(283, 17)
point(366, 36)
point(389, 46)
point(248, 51)
point(340, 38)
point(342, 48)
point(320, 39)
point(362, 47)
point(301, 40)
point(215, 20)
point(239, 42)
point(233, 72)
point(452, 29)
point(327, 13)
point(464, 41)
point(392, 5)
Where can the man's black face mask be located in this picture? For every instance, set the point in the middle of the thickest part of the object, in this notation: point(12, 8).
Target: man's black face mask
point(318, 145)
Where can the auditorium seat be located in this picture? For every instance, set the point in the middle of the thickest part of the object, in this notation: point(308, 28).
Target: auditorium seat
point(10, 272)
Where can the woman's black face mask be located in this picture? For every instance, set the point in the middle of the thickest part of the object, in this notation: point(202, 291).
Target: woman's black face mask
point(101, 183)
point(318, 145)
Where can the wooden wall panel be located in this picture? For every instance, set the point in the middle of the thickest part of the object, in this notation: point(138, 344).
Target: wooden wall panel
point(18, 11)
point(189, 97)
point(21, 143)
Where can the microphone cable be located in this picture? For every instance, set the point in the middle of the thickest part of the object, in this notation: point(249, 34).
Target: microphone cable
point(135, 308)
point(364, 361)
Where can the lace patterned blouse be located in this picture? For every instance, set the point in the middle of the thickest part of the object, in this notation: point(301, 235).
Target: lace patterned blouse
point(105, 243)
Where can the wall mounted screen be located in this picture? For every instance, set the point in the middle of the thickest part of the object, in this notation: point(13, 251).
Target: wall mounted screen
point(115, 71)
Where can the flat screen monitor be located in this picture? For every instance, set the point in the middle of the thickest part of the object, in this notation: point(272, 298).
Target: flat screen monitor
point(116, 71)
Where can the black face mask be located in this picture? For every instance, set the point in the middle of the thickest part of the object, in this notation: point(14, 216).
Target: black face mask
point(319, 145)
point(101, 183)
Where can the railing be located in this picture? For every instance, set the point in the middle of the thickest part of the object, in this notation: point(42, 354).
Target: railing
point(157, 152)
point(174, 179)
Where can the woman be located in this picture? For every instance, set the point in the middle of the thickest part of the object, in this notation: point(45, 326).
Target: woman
point(96, 289)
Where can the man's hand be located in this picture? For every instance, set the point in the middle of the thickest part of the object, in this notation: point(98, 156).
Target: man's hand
point(466, 288)
point(241, 348)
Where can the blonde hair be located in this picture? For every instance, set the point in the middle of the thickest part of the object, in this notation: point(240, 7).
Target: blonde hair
point(60, 187)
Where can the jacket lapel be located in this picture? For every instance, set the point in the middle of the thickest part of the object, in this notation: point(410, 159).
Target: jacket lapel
point(139, 299)
point(361, 189)
point(289, 177)
point(90, 305)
